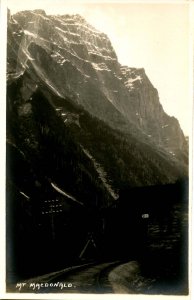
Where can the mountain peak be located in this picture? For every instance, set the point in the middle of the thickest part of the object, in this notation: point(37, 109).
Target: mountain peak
point(75, 17)
point(35, 11)
point(76, 60)
point(85, 136)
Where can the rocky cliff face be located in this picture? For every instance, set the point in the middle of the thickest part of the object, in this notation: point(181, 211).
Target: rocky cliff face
point(77, 61)
point(75, 69)
point(150, 116)
point(81, 130)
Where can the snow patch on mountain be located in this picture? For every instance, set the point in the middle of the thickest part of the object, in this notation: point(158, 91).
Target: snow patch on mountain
point(101, 67)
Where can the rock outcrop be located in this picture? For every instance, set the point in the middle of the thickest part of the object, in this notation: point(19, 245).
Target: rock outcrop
point(77, 61)
point(83, 135)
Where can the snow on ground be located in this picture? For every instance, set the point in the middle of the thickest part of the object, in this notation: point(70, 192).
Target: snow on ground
point(130, 81)
point(30, 33)
point(67, 32)
point(100, 67)
point(27, 54)
point(164, 126)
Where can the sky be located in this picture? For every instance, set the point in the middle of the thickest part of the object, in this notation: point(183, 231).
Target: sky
point(151, 35)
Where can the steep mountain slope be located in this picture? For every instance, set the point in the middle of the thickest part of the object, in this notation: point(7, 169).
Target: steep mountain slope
point(64, 167)
point(81, 129)
point(59, 137)
point(83, 66)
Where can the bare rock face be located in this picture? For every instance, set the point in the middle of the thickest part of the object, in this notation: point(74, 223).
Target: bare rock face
point(82, 130)
point(75, 60)
point(150, 116)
